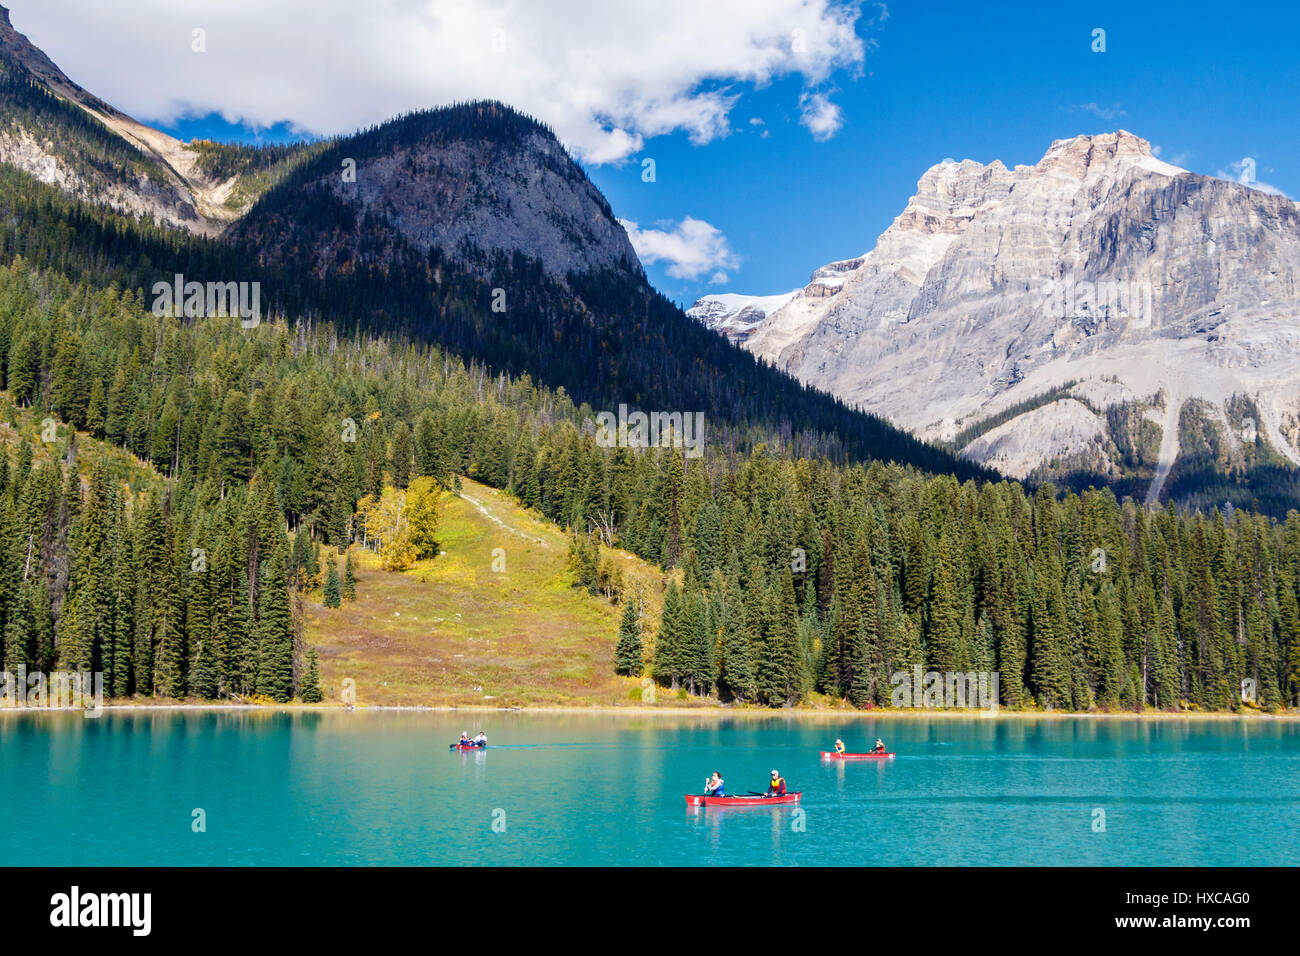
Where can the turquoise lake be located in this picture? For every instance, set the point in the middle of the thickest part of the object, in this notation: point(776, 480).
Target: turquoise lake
point(382, 788)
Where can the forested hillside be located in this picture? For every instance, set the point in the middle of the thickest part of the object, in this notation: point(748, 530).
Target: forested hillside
point(605, 336)
point(174, 486)
point(247, 431)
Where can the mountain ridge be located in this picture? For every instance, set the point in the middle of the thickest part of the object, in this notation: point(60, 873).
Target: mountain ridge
point(503, 252)
point(1099, 263)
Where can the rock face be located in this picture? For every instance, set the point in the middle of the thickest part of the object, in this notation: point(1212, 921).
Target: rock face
point(1100, 268)
point(153, 175)
point(522, 196)
point(472, 181)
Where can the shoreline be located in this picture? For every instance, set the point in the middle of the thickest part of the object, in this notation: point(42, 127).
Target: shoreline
point(671, 711)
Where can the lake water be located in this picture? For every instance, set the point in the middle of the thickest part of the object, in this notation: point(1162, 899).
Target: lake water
point(382, 788)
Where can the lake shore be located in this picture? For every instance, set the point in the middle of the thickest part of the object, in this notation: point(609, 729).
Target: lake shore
point(669, 710)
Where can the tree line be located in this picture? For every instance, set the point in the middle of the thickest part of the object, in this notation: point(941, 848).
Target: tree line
point(790, 575)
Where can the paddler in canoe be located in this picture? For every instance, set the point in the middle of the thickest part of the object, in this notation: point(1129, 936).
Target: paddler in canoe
point(715, 786)
point(777, 787)
point(880, 746)
point(839, 746)
point(464, 740)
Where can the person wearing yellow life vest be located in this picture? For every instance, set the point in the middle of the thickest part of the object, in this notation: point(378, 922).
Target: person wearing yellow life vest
point(839, 746)
point(777, 787)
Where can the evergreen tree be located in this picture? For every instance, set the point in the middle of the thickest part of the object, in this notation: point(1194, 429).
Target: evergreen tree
point(332, 584)
point(628, 651)
point(349, 579)
point(274, 632)
point(310, 691)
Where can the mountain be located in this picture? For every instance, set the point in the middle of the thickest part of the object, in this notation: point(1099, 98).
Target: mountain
point(470, 226)
point(68, 137)
point(736, 316)
point(467, 226)
point(473, 182)
point(176, 490)
point(1098, 316)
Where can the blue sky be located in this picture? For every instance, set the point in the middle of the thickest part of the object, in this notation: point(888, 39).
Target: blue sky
point(681, 82)
point(953, 80)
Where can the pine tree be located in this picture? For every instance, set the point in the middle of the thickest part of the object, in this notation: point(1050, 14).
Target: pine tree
point(668, 651)
point(332, 584)
point(628, 651)
point(944, 630)
point(349, 579)
point(310, 691)
point(401, 456)
point(274, 632)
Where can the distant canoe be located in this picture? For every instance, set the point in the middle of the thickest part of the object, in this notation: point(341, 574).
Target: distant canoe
point(469, 746)
point(832, 755)
point(699, 800)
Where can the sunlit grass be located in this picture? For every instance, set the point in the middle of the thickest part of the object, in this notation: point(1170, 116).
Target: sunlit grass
point(452, 631)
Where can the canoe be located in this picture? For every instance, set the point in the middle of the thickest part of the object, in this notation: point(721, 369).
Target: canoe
point(699, 800)
point(468, 747)
point(832, 755)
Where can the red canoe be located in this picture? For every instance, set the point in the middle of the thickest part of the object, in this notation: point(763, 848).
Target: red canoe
point(698, 800)
point(832, 755)
point(470, 747)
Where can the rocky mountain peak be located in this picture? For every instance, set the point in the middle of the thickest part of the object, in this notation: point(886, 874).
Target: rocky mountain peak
point(953, 186)
point(1129, 292)
point(16, 49)
point(471, 180)
point(1103, 154)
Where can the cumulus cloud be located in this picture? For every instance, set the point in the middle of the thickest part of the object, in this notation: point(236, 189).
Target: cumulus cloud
point(606, 76)
point(821, 117)
point(690, 248)
point(1245, 171)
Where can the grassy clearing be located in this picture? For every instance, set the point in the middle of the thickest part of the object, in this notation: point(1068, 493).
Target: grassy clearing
point(452, 631)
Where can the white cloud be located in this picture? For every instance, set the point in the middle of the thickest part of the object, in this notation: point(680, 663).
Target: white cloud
point(1178, 159)
point(1245, 172)
point(691, 248)
point(822, 117)
point(606, 76)
point(1107, 113)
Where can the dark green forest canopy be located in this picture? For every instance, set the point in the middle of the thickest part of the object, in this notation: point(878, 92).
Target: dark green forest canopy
point(796, 574)
point(816, 549)
point(607, 338)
